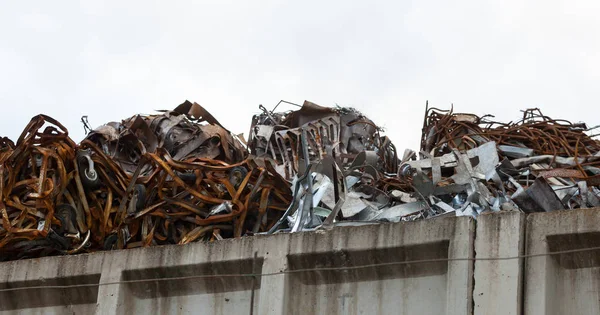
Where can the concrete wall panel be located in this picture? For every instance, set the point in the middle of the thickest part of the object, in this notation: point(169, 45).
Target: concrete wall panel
point(442, 287)
point(498, 288)
point(58, 271)
point(566, 283)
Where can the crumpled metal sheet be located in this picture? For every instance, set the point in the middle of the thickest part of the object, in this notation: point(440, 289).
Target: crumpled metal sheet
point(341, 145)
point(179, 132)
point(342, 133)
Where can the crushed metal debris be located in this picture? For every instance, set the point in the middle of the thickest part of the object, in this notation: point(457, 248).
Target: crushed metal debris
point(180, 176)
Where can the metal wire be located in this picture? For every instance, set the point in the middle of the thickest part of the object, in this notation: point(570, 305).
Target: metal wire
point(340, 268)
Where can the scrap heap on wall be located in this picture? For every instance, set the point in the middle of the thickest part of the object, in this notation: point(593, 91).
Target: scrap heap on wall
point(180, 176)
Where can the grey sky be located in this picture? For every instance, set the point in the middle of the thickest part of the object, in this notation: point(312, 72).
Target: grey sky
point(385, 58)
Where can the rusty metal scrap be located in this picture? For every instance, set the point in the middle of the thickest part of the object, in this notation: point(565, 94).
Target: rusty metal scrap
point(180, 176)
point(179, 131)
point(534, 164)
point(37, 193)
point(445, 130)
point(171, 178)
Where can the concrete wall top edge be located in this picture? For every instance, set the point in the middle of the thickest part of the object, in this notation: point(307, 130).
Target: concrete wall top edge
point(499, 215)
point(346, 237)
point(53, 266)
point(563, 222)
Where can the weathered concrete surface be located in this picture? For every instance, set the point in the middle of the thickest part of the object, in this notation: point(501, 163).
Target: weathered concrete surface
point(498, 283)
point(65, 270)
point(430, 288)
point(567, 283)
point(560, 284)
point(398, 289)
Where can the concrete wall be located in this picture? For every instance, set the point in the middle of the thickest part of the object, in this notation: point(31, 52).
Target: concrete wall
point(538, 284)
point(498, 283)
point(432, 288)
point(562, 284)
point(569, 283)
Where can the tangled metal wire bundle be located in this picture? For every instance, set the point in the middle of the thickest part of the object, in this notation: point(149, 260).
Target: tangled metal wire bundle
point(39, 183)
point(186, 199)
point(444, 130)
point(150, 180)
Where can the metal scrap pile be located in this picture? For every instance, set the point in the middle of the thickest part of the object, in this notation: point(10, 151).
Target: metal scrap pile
point(162, 179)
point(470, 164)
point(340, 167)
point(180, 176)
point(467, 165)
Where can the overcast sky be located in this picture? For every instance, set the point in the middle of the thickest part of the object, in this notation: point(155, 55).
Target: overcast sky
point(385, 58)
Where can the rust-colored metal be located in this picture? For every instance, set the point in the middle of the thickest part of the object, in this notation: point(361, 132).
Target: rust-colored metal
point(561, 172)
point(147, 181)
point(444, 131)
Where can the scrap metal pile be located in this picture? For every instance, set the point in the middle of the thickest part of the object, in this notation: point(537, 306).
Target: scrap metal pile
point(162, 179)
point(180, 176)
point(471, 164)
point(339, 165)
point(467, 165)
